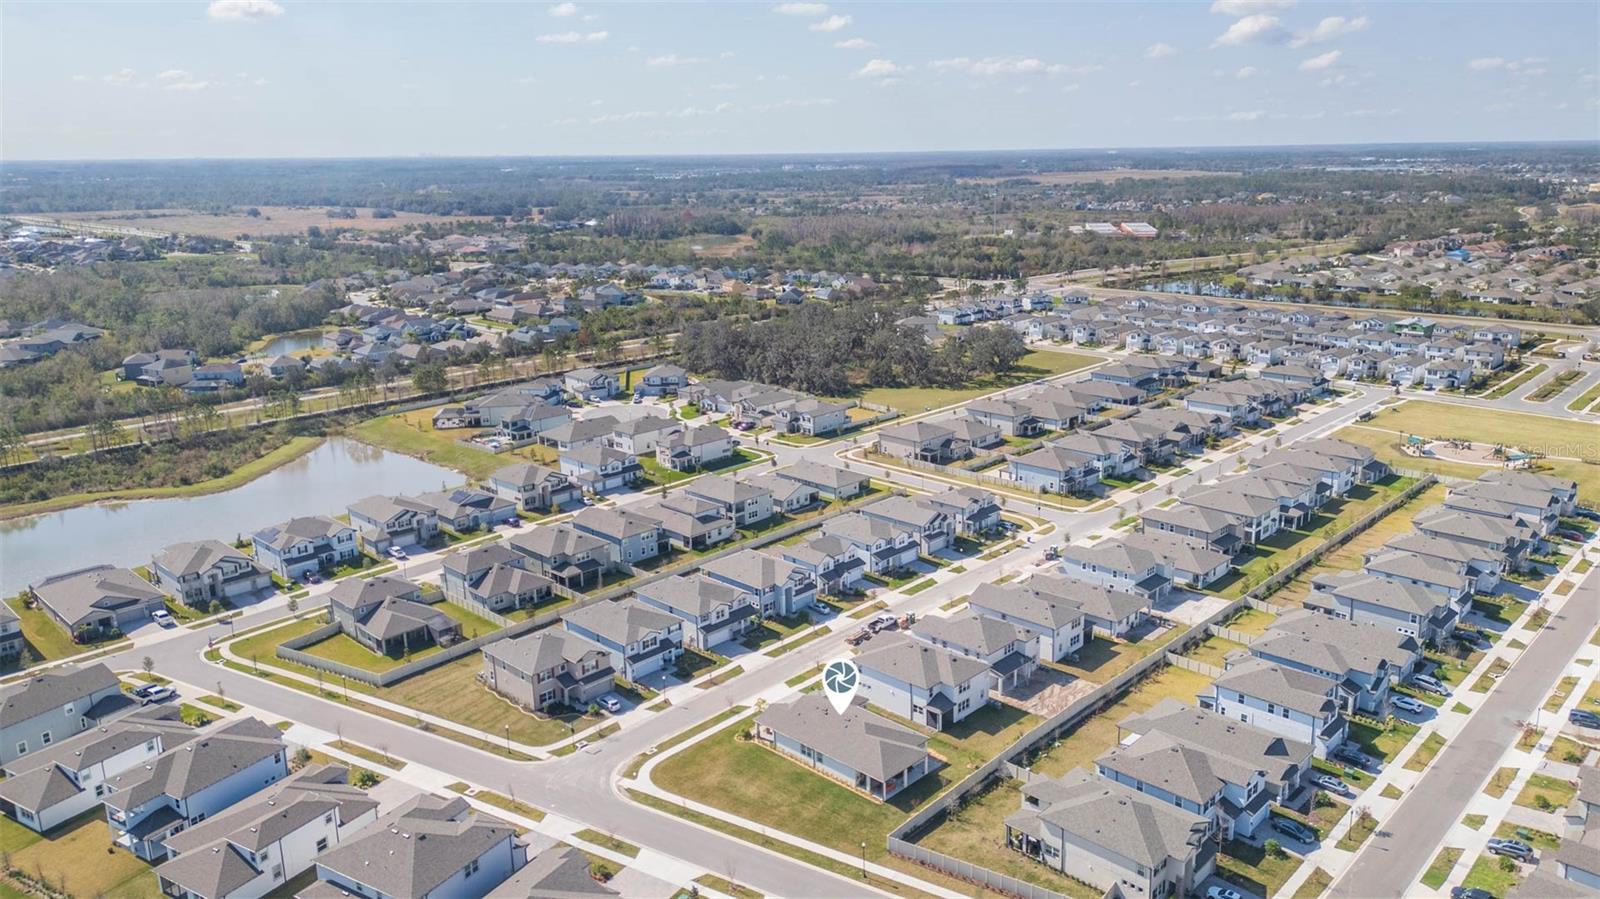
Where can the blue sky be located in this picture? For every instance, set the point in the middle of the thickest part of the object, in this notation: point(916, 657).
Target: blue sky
point(280, 78)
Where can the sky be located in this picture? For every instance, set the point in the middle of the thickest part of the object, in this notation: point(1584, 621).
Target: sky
point(309, 78)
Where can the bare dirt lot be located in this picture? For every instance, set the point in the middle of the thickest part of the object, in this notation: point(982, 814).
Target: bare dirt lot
point(273, 220)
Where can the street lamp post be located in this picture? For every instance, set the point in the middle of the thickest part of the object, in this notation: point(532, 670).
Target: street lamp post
point(863, 860)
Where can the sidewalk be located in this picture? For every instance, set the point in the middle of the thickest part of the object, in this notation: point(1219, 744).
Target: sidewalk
point(1448, 723)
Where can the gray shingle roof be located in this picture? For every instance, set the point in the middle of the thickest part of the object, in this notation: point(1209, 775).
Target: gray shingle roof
point(919, 664)
point(1107, 814)
point(542, 650)
point(99, 590)
point(623, 621)
point(560, 872)
point(49, 690)
point(868, 743)
point(415, 848)
point(190, 768)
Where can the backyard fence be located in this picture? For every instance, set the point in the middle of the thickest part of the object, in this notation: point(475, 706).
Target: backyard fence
point(1009, 762)
point(292, 650)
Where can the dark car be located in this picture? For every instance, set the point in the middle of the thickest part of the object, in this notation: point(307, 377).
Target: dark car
point(1584, 718)
point(1351, 755)
point(1569, 534)
point(1294, 830)
point(1470, 893)
point(1511, 849)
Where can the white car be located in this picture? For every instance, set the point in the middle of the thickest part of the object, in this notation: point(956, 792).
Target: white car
point(396, 552)
point(1431, 684)
point(163, 618)
point(611, 703)
point(1222, 893)
point(1407, 704)
point(1331, 784)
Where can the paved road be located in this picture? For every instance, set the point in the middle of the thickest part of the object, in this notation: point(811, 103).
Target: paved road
point(1394, 857)
point(582, 786)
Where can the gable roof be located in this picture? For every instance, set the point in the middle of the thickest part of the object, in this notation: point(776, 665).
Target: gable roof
point(186, 770)
point(1105, 813)
point(52, 689)
point(621, 621)
point(866, 742)
point(418, 846)
point(919, 664)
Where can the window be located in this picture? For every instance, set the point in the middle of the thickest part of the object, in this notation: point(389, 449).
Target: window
point(22, 747)
point(46, 738)
point(470, 869)
point(322, 845)
point(328, 818)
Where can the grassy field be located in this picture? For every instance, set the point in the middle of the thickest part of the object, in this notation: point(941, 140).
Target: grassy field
point(1349, 557)
point(1557, 437)
point(1314, 885)
point(912, 400)
point(1255, 869)
point(44, 638)
point(340, 648)
point(64, 858)
point(976, 833)
point(1556, 385)
point(1505, 388)
point(1100, 659)
point(1213, 650)
point(450, 691)
point(1251, 621)
point(1586, 399)
point(1439, 871)
point(1425, 753)
point(412, 433)
point(1487, 875)
point(1272, 554)
point(1546, 793)
point(233, 223)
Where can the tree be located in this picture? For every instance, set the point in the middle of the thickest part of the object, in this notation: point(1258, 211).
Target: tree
point(429, 378)
point(148, 664)
point(215, 608)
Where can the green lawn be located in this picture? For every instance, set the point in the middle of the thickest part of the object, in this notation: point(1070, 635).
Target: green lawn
point(1254, 869)
point(1251, 621)
point(44, 638)
point(976, 833)
point(340, 648)
point(1425, 753)
point(1038, 364)
point(1546, 793)
point(1359, 831)
point(1101, 659)
point(64, 859)
point(412, 433)
point(1486, 874)
point(1385, 743)
point(1213, 650)
point(1314, 885)
point(472, 624)
point(1439, 871)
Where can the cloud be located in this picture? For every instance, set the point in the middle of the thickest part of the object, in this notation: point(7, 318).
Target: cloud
point(120, 78)
point(673, 59)
point(1160, 51)
point(1257, 29)
point(1248, 7)
point(880, 68)
point(1251, 115)
point(855, 43)
point(801, 9)
point(831, 23)
point(1246, 72)
point(1531, 66)
point(243, 10)
point(563, 10)
point(186, 85)
point(994, 66)
point(1318, 63)
point(1371, 113)
point(1330, 28)
point(723, 86)
point(172, 75)
point(688, 112)
point(794, 104)
point(573, 37)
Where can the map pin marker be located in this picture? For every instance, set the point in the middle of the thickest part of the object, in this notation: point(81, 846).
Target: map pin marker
point(840, 680)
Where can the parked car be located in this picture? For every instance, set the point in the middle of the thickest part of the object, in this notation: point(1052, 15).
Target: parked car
point(143, 690)
point(1474, 639)
point(610, 703)
point(1570, 534)
point(395, 552)
point(163, 618)
point(1512, 849)
point(1412, 706)
point(1429, 683)
point(1331, 784)
point(1584, 718)
point(1350, 755)
point(514, 522)
point(1293, 829)
point(1216, 892)
point(884, 622)
point(1470, 893)
point(637, 399)
point(859, 637)
point(313, 578)
point(158, 694)
point(1365, 416)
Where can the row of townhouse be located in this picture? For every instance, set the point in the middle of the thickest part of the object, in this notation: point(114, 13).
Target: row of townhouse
point(1354, 350)
point(721, 601)
point(990, 309)
point(1422, 583)
point(750, 404)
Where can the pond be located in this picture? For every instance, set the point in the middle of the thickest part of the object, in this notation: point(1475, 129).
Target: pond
point(289, 344)
point(324, 481)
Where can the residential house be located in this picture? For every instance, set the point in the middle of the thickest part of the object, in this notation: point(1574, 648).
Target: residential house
point(1216, 529)
point(533, 487)
point(830, 482)
point(921, 682)
point(1190, 561)
point(305, 545)
point(571, 558)
point(695, 448)
point(1254, 518)
point(494, 577)
point(192, 782)
point(560, 872)
point(54, 705)
point(97, 601)
point(579, 433)
point(788, 497)
point(857, 748)
point(782, 588)
point(207, 571)
point(1112, 458)
point(924, 442)
point(600, 469)
point(1053, 468)
point(747, 503)
point(590, 385)
point(933, 528)
point(687, 522)
point(267, 840)
point(881, 546)
point(1010, 650)
point(630, 537)
point(1109, 609)
point(428, 846)
point(385, 521)
point(388, 616)
point(665, 379)
point(640, 640)
point(548, 668)
point(1406, 607)
point(1484, 567)
point(1013, 419)
point(59, 781)
point(1117, 564)
point(1058, 622)
point(641, 436)
point(1290, 702)
point(713, 611)
point(1365, 658)
point(832, 564)
point(12, 642)
point(1112, 837)
point(973, 511)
